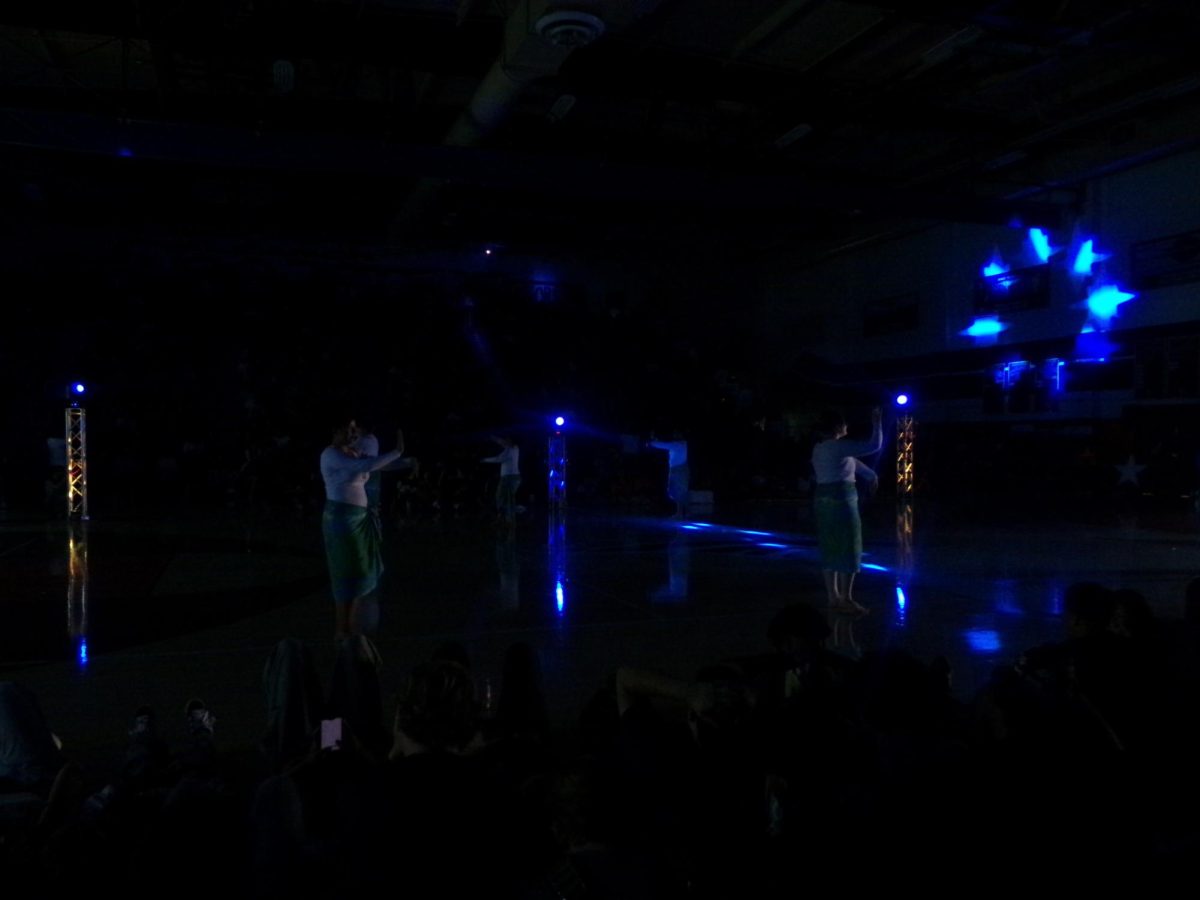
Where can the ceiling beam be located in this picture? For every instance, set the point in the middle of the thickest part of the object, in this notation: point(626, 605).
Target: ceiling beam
point(569, 180)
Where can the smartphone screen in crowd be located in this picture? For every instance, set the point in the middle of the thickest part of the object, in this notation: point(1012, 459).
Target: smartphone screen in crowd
point(331, 734)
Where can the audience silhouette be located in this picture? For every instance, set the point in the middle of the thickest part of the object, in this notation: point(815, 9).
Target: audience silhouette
point(712, 785)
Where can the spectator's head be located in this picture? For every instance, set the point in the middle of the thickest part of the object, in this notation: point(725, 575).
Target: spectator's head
point(1191, 604)
point(1133, 616)
point(436, 709)
point(1090, 608)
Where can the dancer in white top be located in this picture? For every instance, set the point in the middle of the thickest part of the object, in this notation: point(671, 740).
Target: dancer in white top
point(509, 459)
point(678, 473)
point(350, 529)
point(835, 501)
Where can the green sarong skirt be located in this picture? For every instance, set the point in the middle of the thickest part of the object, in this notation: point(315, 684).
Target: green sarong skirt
point(839, 528)
point(352, 549)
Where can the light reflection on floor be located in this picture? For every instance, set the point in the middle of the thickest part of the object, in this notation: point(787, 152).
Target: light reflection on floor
point(594, 589)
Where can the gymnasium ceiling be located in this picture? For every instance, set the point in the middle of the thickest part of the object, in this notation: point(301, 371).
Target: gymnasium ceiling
point(621, 125)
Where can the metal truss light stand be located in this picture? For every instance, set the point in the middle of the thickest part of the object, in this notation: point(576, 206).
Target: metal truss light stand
point(77, 504)
point(905, 436)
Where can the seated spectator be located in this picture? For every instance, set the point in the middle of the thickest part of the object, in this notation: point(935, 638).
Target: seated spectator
point(689, 775)
point(451, 826)
point(39, 786)
point(521, 710)
point(30, 753)
point(293, 692)
point(356, 695)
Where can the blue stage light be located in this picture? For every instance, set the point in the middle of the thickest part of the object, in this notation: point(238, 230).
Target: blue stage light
point(902, 399)
point(78, 387)
point(560, 421)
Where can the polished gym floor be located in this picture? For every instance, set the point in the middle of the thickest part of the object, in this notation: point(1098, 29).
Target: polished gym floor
point(102, 615)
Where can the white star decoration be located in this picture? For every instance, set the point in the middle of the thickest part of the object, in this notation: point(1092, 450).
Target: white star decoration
point(1129, 472)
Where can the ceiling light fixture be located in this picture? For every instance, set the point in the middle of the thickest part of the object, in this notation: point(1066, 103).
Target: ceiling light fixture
point(569, 28)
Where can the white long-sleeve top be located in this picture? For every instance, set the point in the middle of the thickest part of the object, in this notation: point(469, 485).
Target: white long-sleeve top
point(509, 459)
point(834, 460)
point(346, 476)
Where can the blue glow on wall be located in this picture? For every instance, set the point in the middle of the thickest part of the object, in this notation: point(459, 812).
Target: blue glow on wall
point(1040, 241)
point(996, 266)
point(996, 272)
point(1008, 374)
point(1092, 347)
point(1053, 372)
point(1086, 258)
point(987, 326)
point(982, 640)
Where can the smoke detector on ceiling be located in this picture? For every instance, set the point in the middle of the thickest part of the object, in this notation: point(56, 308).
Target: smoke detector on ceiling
point(569, 28)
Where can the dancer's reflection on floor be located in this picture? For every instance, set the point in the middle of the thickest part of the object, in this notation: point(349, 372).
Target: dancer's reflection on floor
point(679, 565)
point(509, 569)
point(841, 638)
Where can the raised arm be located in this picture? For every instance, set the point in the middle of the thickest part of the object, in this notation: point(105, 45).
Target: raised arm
point(877, 428)
point(873, 444)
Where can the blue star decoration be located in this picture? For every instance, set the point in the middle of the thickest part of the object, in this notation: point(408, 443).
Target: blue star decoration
point(1129, 472)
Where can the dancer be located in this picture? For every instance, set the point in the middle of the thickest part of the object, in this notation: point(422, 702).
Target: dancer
point(839, 527)
point(678, 474)
point(351, 531)
point(509, 459)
